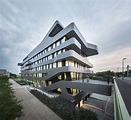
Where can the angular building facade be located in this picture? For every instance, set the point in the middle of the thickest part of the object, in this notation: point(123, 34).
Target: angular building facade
point(59, 59)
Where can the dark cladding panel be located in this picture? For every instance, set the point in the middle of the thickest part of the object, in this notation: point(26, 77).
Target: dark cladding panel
point(56, 30)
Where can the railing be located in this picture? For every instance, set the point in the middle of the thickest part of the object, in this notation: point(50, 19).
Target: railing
point(120, 112)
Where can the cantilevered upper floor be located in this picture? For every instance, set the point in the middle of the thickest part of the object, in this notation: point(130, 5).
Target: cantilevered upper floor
point(55, 37)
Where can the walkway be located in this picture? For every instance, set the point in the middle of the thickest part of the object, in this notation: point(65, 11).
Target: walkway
point(33, 109)
point(125, 91)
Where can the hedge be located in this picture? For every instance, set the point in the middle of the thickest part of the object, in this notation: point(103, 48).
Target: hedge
point(64, 108)
point(10, 107)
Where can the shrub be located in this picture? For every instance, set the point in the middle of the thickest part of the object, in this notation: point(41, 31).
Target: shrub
point(64, 108)
point(21, 82)
point(10, 107)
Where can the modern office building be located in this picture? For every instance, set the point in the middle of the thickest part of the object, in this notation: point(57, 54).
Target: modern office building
point(59, 59)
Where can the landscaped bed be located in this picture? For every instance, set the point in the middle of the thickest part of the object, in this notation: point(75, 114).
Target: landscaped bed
point(21, 82)
point(64, 108)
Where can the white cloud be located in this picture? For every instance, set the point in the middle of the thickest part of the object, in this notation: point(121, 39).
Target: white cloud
point(105, 23)
point(111, 61)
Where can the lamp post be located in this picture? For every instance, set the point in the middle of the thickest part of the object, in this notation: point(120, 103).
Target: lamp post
point(128, 70)
point(123, 68)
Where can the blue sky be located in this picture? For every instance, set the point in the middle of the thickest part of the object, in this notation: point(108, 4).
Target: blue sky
point(106, 23)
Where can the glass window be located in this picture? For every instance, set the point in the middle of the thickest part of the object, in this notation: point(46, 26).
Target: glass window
point(44, 74)
point(70, 63)
point(87, 67)
point(47, 67)
point(54, 45)
point(54, 65)
point(63, 50)
point(50, 66)
point(63, 40)
point(59, 63)
point(49, 48)
point(40, 74)
point(80, 66)
point(67, 63)
point(64, 76)
point(44, 67)
point(75, 64)
point(59, 52)
point(55, 54)
point(59, 77)
point(48, 57)
point(51, 56)
point(58, 43)
point(39, 68)
point(73, 75)
point(34, 74)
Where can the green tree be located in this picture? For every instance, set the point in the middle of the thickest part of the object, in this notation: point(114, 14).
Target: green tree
point(12, 75)
point(106, 73)
point(10, 107)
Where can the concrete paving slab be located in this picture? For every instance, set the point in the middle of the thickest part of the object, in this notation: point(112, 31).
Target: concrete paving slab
point(33, 109)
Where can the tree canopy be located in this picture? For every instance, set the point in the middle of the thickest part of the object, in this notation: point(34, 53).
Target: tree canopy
point(10, 107)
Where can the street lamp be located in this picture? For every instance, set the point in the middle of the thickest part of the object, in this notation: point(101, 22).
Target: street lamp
point(117, 69)
point(123, 68)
